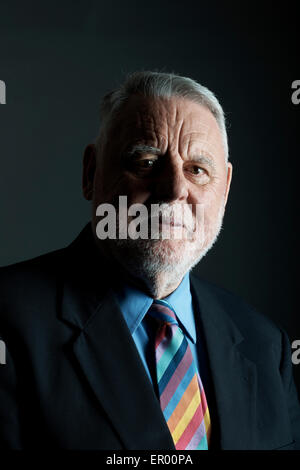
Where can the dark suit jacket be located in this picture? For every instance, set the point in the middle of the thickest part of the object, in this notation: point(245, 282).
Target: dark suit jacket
point(73, 377)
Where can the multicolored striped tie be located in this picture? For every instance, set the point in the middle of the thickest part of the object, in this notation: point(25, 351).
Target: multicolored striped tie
point(181, 392)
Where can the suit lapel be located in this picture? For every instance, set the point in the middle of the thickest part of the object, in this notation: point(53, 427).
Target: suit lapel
point(233, 375)
point(111, 363)
point(107, 354)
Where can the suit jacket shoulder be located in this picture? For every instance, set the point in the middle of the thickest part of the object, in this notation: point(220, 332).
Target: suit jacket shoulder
point(252, 323)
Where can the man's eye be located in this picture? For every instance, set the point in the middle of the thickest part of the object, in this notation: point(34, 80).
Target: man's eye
point(142, 166)
point(145, 163)
point(197, 170)
point(198, 174)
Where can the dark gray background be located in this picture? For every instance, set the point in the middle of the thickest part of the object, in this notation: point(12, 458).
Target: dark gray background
point(58, 58)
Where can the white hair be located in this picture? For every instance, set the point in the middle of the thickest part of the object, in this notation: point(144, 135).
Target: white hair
point(158, 85)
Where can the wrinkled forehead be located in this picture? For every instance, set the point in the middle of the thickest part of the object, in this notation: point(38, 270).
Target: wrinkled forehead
point(166, 122)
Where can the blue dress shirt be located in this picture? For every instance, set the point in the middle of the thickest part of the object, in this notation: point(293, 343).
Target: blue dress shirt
point(134, 305)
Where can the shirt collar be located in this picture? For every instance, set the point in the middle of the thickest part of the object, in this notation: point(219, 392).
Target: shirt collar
point(135, 304)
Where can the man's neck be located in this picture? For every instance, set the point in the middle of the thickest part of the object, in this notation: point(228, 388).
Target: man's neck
point(157, 285)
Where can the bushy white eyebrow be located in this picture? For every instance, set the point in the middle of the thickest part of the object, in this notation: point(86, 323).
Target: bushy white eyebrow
point(139, 148)
point(203, 159)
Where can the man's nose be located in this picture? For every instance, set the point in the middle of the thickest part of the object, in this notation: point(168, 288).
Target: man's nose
point(171, 184)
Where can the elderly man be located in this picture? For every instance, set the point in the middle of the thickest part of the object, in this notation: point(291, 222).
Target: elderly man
point(111, 343)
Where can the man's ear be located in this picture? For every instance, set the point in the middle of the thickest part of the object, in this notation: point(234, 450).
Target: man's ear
point(89, 169)
point(228, 181)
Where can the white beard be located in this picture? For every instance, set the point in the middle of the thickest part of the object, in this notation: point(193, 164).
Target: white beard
point(164, 261)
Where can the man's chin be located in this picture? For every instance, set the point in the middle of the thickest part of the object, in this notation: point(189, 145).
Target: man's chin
point(158, 255)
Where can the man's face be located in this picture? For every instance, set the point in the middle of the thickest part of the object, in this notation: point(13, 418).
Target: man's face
point(170, 152)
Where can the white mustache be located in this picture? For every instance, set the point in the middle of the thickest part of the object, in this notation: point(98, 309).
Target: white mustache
point(178, 215)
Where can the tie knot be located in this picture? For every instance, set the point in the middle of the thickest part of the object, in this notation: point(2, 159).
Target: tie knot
point(162, 311)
